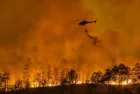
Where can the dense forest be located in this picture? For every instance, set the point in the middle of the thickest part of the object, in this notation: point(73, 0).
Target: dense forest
point(117, 75)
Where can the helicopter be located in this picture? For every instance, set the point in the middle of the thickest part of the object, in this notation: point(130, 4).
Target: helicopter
point(84, 22)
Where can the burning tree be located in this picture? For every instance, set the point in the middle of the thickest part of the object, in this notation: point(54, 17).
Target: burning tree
point(49, 75)
point(96, 77)
point(44, 79)
point(0, 80)
point(72, 76)
point(115, 72)
point(40, 79)
point(107, 76)
point(56, 75)
point(26, 76)
point(19, 84)
point(136, 73)
point(118, 73)
point(63, 76)
point(37, 79)
point(5, 78)
point(123, 72)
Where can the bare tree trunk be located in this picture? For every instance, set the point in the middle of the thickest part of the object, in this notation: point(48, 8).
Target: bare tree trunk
point(53, 80)
point(119, 79)
point(127, 79)
point(79, 76)
point(5, 84)
point(83, 77)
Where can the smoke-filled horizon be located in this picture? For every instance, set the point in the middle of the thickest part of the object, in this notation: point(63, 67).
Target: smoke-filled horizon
point(46, 32)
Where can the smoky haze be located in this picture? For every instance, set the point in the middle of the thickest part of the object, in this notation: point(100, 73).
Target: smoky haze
point(118, 27)
point(43, 32)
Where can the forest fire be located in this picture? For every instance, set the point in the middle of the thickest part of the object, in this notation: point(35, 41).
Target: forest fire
point(116, 75)
point(34, 85)
point(79, 82)
point(126, 83)
point(55, 50)
point(114, 83)
point(123, 83)
point(51, 85)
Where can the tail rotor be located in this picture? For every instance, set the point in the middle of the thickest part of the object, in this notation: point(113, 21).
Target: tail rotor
point(95, 21)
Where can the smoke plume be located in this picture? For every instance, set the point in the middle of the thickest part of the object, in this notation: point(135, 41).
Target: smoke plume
point(46, 32)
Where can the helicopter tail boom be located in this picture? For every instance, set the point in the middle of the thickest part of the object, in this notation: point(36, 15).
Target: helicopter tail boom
point(95, 21)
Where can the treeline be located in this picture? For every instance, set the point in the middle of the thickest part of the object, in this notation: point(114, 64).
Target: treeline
point(118, 74)
point(51, 76)
point(56, 76)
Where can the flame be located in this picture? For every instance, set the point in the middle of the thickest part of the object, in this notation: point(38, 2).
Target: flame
point(114, 83)
point(79, 82)
point(123, 83)
point(50, 85)
point(34, 85)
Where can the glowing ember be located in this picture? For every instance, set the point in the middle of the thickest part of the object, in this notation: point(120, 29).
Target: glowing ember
point(34, 85)
point(89, 82)
point(50, 85)
point(79, 82)
point(123, 83)
point(129, 81)
point(113, 83)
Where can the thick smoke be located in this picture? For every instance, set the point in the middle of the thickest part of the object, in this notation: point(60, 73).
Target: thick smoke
point(46, 32)
point(119, 27)
point(42, 33)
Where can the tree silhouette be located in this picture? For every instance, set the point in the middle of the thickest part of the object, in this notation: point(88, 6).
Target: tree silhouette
point(49, 74)
point(96, 77)
point(107, 76)
point(136, 73)
point(18, 85)
point(123, 72)
point(56, 75)
point(5, 78)
point(120, 73)
point(0, 80)
point(72, 76)
point(115, 72)
point(63, 75)
point(44, 79)
point(37, 78)
point(41, 78)
point(26, 76)
point(128, 73)
point(64, 81)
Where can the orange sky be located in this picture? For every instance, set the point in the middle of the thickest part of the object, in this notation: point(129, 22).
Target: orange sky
point(42, 32)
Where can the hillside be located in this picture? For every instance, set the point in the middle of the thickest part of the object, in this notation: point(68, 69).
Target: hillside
point(80, 89)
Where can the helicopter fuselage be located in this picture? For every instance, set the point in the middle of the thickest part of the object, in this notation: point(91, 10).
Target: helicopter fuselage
point(85, 22)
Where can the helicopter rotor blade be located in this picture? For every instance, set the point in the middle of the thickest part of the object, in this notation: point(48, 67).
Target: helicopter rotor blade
point(84, 19)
